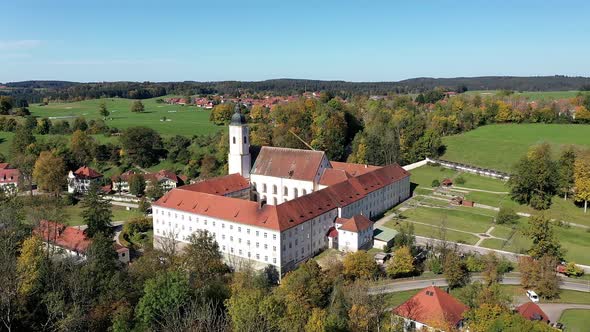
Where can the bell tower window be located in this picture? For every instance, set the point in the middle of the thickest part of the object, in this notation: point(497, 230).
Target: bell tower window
point(234, 139)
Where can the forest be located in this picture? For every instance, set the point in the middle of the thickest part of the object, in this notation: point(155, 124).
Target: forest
point(37, 91)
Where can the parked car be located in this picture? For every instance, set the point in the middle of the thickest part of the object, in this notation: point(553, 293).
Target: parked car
point(532, 296)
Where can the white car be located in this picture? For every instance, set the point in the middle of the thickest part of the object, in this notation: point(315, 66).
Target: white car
point(532, 296)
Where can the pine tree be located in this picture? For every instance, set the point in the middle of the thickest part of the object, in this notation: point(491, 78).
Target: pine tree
point(97, 213)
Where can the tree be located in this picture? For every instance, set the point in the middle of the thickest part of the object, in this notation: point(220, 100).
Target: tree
point(534, 180)
point(28, 266)
point(360, 265)
point(565, 170)
point(582, 179)
point(506, 215)
point(6, 104)
point(203, 259)
point(137, 185)
point(82, 147)
point(243, 305)
point(154, 190)
point(405, 237)
point(141, 145)
point(540, 230)
point(103, 111)
point(137, 107)
point(222, 113)
point(23, 138)
point(317, 321)
point(96, 212)
point(165, 293)
point(454, 270)
point(402, 263)
point(49, 173)
point(548, 284)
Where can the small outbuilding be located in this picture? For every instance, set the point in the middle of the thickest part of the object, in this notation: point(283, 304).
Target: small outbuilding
point(383, 237)
point(447, 182)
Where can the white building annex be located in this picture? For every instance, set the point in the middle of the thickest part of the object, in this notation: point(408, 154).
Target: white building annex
point(292, 205)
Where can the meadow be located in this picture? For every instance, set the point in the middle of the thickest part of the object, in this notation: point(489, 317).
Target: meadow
point(180, 120)
point(501, 146)
point(465, 222)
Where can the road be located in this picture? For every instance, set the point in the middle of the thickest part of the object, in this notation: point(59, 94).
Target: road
point(514, 279)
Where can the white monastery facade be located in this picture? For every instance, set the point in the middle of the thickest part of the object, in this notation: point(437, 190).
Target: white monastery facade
point(290, 206)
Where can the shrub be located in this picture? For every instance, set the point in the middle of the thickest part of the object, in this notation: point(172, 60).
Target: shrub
point(434, 265)
point(435, 183)
point(504, 266)
point(460, 180)
point(474, 264)
point(506, 216)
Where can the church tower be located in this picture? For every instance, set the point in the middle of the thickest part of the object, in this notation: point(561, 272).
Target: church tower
point(239, 144)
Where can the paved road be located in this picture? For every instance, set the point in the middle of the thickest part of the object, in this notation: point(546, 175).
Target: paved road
point(554, 310)
point(514, 279)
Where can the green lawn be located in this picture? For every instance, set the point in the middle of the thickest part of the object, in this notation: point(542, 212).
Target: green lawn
point(424, 175)
point(434, 232)
point(484, 183)
point(575, 320)
point(455, 219)
point(5, 139)
point(393, 300)
point(119, 214)
point(500, 146)
point(183, 120)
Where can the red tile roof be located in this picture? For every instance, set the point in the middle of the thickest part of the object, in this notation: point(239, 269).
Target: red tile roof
point(287, 214)
point(87, 172)
point(332, 232)
point(532, 311)
point(4, 165)
point(432, 306)
point(353, 169)
point(9, 175)
point(332, 176)
point(288, 163)
point(355, 224)
point(221, 185)
point(70, 238)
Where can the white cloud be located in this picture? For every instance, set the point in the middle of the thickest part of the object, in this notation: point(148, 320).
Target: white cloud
point(23, 44)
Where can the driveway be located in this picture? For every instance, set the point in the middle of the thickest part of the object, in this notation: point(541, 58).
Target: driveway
point(554, 310)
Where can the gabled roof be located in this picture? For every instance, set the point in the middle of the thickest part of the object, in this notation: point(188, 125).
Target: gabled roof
point(332, 176)
point(4, 165)
point(162, 175)
point(532, 311)
point(87, 172)
point(353, 169)
point(288, 163)
point(285, 215)
point(9, 175)
point(432, 306)
point(221, 185)
point(63, 236)
point(356, 224)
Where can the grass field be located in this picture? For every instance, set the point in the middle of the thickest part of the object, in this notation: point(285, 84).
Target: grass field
point(455, 219)
point(575, 320)
point(183, 120)
point(119, 214)
point(531, 95)
point(433, 232)
point(500, 146)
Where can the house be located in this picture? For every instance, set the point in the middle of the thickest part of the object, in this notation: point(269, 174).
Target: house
point(80, 181)
point(166, 179)
point(447, 182)
point(432, 309)
point(384, 238)
point(9, 178)
point(532, 311)
point(354, 233)
point(289, 214)
point(71, 241)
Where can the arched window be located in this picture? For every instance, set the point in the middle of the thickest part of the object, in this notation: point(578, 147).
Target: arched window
point(285, 191)
point(274, 189)
point(295, 193)
point(234, 139)
point(304, 192)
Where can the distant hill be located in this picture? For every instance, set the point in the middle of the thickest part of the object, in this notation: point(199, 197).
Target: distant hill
point(35, 91)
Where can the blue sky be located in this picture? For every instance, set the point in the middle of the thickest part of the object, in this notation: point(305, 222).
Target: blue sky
point(256, 40)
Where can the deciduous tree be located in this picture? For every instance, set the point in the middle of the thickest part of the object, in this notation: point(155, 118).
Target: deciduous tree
point(137, 107)
point(402, 263)
point(141, 145)
point(582, 179)
point(540, 230)
point(49, 173)
point(566, 171)
point(137, 185)
point(360, 265)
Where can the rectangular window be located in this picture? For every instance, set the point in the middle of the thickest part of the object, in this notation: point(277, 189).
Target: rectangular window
point(274, 260)
point(274, 236)
point(265, 234)
point(231, 226)
point(257, 256)
point(239, 229)
point(231, 238)
point(247, 230)
point(256, 233)
point(266, 258)
point(240, 252)
point(265, 246)
point(257, 244)
point(231, 250)
point(274, 248)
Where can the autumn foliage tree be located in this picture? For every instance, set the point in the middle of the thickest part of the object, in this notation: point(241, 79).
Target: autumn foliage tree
point(402, 263)
point(49, 173)
point(582, 179)
point(360, 265)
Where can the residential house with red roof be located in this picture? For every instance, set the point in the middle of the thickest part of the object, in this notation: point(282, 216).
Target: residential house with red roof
point(166, 179)
point(532, 311)
point(291, 205)
point(80, 180)
point(432, 309)
point(9, 178)
point(71, 241)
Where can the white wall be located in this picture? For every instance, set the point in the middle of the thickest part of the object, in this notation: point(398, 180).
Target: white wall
point(295, 188)
point(239, 159)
